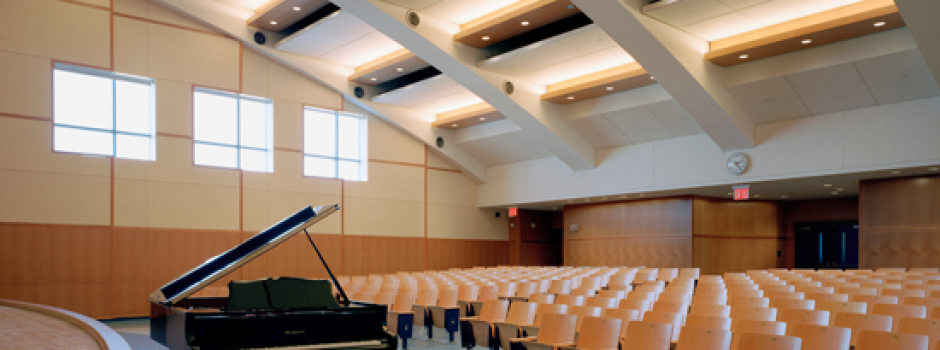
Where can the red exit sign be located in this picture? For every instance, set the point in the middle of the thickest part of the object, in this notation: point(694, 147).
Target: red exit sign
point(513, 212)
point(742, 192)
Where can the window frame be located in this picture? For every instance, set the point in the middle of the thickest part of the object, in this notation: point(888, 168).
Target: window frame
point(238, 146)
point(362, 160)
point(114, 77)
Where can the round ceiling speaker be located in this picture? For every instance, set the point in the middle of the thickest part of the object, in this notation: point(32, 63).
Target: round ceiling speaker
point(359, 92)
point(260, 39)
point(413, 19)
point(508, 87)
point(440, 142)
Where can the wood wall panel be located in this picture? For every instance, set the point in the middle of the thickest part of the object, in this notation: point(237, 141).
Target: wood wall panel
point(447, 253)
point(813, 210)
point(667, 251)
point(173, 252)
point(130, 272)
point(537, 254)
point(735, 236)
point(719, 255)
point(900, 222)
point(53, 254)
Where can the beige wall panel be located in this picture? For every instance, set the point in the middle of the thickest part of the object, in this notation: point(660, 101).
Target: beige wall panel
point(447, 187)
point(387, 142)
point(174, 108)
point(353, 215)
point(130, 46)
point(288, 125)
point(198, 58)
point(102, 3)
point(284, 83)
point(283, 204)
point(175, 164)
point(390, 181)
point(465, 222)
point(436, 161)
point(717, 256)
point(255, 210)
point(392, 218)
point(40, 197)
point(288, 176)
point(132, 7)
point(255, 180)
point(56, 29)
point(132, 169)
point(130, 203)
point(160, 13)
point(26, 87)
point(178, 205)
point(27, 145)
point(254, 73)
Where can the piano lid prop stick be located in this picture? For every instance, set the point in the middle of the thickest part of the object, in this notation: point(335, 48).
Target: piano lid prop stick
point(342, 293)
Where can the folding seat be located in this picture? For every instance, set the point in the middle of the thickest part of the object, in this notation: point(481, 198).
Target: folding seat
point(777, 288)
point(710, 299)
point(904, 293)
point(570, 299)
point(754, 341)
point(752, 313)
point(446, 313)
point(643, 335)
point(487, 292)
point(836, 307)
point(616, 294)
point(542, 298)
point(783, 295)
point(741, 327)
point(466, 294)
point(795, 316)
point(621, 279)
point(540, 311)
point(799, 304)
point(816, 337)
point(930, 328)
point(693, 338)
point(480, 330)
point(871, 300)
point(646, 275)
point(559, 331)
point(586, 292)
point(666, 317)
point(507, 289)
point(708, 322)
point(384, 299)
point(625, 315)
point(599, 333)
point(710, 310)
point(641, 305)
point(676, 297)
point(583, 311)
point(748, 302)
point(602, 302)
point(818, 297)
point(667, 274)
point(852, 291)
point(862, 322)
point(524, 291)
point(560, 287)
point(426, 297)
point(875, 340)
point(899, 311)
point(815, 290)
point(520, 314)
point(744, 293)
point(689, 272)
point(638, 295)
point(400, 319)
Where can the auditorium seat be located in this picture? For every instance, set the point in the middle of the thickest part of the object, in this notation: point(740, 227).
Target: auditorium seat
point(796, 316)
point(755, 341)
point(598, 333)
point(520, 314)
point(482, 326)
point(899, 311)
point(708, 322)
point(559, 331)
point(625, 315)
point(693, 338)
point(816, 337)
point(879, 340)
point(643, 335)
point(860, 322)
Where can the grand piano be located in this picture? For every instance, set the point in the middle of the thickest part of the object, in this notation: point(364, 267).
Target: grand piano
point(281, 312)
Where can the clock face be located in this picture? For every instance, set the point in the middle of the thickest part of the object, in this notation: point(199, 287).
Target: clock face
point(737, 163)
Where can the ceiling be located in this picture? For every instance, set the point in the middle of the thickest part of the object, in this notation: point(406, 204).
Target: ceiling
point(878, 69)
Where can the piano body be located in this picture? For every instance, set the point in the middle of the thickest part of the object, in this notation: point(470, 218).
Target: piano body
point(272, 312)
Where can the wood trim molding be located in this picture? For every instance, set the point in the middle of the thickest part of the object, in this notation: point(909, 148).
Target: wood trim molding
point(826, 27)
point(738, 237)
point(609, 81)
point(104, 336)
point(282, 11)
point(467, 116)
point(629, 237)
point(380, 63)
point(506, 22)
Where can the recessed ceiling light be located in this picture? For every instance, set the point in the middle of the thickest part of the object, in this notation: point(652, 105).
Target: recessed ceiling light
point(834, 193)
point(482, 119)
point(554, 208)
point(756, 196)
point(744, 56)
point(273, 23)
point(840, 189)
point(827, 185)
point(623, 196)
point(933, 168)
point(652, 77)
point(730, 193)
point(400, 69)
point(806, 41)
point(604, 199)
point(373, 79)
point(296, 8)
point(586, 199)
point(570, 201)
point(610, 88)
point(879, 24)
point(783, 196)
point(642, 194)
point(454, 125)
point(895, 172)
point(486, 37)
point(525, 23)
point(570, 97)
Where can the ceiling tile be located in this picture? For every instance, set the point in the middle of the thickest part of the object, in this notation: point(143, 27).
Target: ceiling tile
point(674, 117)
point(769, 100)
point(778, 11)
point(462, 11)
point(415, 5)
point(590, 38)
point(421, 92)
point(740, 4)
point(326, 35)
point(832, 89)
point(587, 64)
point(682, 13)
point(639, 124)
point(532, 141)
point(726, 25)
point(527, 60)
point(483, 152)
point(451, 102)
point(599, 132)
point(898, 77)
point(363, 50)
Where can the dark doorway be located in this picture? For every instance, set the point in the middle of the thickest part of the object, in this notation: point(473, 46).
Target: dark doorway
point(827, 245)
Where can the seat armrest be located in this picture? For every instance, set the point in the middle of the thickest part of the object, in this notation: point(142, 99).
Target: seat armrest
point(468, 319)
point(401, 312)
point(517, 340)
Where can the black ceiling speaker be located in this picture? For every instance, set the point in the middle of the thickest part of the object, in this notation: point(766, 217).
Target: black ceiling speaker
point(413, 19)
point(440, 142)
point(260, 39)
point(359, 92)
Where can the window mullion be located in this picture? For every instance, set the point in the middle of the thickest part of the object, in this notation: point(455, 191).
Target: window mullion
point(113, 118)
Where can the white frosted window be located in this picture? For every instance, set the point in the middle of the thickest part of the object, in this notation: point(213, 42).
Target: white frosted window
point(232, 130)
point(102, 113)
point(334, 145)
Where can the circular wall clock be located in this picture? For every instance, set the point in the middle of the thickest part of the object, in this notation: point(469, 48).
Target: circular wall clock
point(738, 163)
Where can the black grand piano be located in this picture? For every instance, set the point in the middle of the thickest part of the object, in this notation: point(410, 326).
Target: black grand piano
point(267, 313)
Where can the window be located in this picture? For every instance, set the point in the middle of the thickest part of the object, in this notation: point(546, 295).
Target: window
point(232, 130)
point(335, 145)
point(102, 113)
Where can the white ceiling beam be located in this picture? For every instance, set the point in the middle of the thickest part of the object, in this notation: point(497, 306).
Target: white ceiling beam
point(433, 42)
point(677, 61)
point(222, 17)
point(921, 19)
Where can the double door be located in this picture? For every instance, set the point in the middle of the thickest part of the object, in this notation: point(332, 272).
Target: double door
point(827, 245)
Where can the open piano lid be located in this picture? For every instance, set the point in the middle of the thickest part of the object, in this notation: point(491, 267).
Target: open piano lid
point(223, 264)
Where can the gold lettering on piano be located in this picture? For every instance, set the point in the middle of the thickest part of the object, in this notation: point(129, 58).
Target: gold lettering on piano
point(294, 332)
